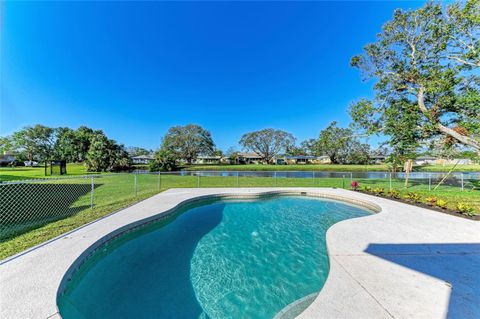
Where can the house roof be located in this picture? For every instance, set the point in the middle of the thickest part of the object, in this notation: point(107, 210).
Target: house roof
point(143, 157)
point(301, 157)
point(249, 155)
point(208, 157)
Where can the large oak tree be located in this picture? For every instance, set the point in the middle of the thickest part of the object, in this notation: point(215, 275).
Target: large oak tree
point(267, 143)
point(426, 66)
point(187, 142)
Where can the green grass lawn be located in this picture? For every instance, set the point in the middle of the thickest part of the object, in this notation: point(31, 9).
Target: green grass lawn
point(63, 205)
point(328, 167)
point(21, 172)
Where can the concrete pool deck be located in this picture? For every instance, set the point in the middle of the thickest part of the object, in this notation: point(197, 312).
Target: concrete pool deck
point(404, 262)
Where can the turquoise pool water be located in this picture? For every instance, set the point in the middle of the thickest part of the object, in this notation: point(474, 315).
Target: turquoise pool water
point(215, 259)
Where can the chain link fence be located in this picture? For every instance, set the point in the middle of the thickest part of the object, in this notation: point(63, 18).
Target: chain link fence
point(26, 205)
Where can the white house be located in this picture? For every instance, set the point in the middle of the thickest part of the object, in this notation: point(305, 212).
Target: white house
point(142, 159)
point(425, 160)
point(455, 161)
point(249, 158)
point(205, 159)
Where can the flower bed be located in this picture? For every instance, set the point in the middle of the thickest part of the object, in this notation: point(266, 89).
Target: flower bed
point(431, 202)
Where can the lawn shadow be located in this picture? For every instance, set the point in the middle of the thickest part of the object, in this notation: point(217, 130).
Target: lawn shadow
point(457, 264)
point(26, 206)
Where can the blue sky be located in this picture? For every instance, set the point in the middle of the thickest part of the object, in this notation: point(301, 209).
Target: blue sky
point(134, 69)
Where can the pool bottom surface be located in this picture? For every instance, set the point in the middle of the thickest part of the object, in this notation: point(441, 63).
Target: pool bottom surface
point(222, 259)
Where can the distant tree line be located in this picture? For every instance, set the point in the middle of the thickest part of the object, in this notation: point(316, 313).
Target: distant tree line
point(84, 145)
point(187, 143)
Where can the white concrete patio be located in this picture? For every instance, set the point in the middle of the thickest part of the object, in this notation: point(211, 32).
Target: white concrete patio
point(404, 262)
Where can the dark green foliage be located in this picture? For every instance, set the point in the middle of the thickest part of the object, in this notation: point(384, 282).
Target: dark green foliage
point(164, 161)
point(35, 142)
point(341, 145)
point(187, 142)
point(105, 155)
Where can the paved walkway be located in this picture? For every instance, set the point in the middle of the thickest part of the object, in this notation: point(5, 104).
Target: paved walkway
point(404, 262)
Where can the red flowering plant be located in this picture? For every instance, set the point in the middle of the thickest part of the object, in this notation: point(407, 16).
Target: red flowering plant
point(354, 185)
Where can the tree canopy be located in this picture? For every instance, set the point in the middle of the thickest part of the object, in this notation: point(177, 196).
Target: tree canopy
point(187, 142)
point(267, 143)
point(341, 146)
point(36, 142)
point(106, 155)
point(163, 161)
point(42, 143)
point(426, 65)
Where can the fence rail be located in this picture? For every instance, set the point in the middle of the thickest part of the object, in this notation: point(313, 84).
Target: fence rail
point(29, 204)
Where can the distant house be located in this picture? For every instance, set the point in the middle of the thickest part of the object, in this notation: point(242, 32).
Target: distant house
point(324, 159)
point(7, 159)
point(142, 159)
point(425, 160)
point(377, 158)
point(226, 160)
point(457, 161)
point(249, 158)
point(300, 159)
point(208, 159)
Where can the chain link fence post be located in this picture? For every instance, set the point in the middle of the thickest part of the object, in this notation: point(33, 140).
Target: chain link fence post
point(198, 179)
point(463, 186)
point(135, 184)
point(313, 178)
point(430, 182)
point(92, 191)
point(238, 182)
point(390, 180)
point(159, 182)
point(343, 181)
point(275, 178)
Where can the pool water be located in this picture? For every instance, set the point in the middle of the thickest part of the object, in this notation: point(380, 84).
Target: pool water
point(216, 259)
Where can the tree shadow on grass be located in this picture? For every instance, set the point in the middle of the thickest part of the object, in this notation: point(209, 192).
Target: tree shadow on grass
point(24, 207)
point(457, 264)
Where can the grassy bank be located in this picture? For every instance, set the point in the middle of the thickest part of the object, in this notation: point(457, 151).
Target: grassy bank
point(22, 172)
point(330, 168)
point(66, 203)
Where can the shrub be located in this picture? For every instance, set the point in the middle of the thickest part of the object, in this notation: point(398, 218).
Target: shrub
point(431, 200)
point(442, 203)
point(164, 161)
point(465, 209)
point(367, 188)
point(378, 191)
point(355, 185)
point(393, 193)
point(412, 197)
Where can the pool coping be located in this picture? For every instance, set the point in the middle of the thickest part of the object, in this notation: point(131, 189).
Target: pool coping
point(31, 292)
point(90, 251)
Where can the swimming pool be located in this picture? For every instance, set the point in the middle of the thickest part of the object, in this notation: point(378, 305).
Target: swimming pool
point(212, 259)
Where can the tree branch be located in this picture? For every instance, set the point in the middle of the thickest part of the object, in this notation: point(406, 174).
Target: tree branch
point(466, 140)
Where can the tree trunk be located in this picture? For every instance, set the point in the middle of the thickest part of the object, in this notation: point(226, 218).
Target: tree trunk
point(466, 140)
